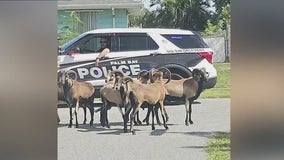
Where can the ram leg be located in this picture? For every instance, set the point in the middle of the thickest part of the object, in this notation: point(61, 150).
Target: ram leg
point(70, 114)
point(137, 121)
point(76, 110)
point(146, 119)
point(91, 109)
point(186, 111)
point(190, 111)
point(153, 117)
point(157, 115)
point(163, 114)
point(85, 117)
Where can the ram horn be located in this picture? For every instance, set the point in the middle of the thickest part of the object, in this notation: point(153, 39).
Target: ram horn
point(166, 72)
point(118, 73)
point(69, 74)
point(201, 73)
point(109, 77)
point(127, 79)
point(143, 73)
point(113, 74)
point(176, 76)
point(60, 77)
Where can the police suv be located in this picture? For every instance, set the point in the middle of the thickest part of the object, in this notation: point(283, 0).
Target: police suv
point(136, 49)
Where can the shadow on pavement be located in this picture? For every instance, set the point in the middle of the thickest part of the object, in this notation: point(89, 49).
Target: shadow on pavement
point(195, 147)
point(205, 134)
point(158, 132)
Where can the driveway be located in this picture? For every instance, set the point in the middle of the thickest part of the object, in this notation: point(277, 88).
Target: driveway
point(181, 142)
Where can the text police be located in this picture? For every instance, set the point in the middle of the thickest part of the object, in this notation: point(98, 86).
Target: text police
point(99, 72)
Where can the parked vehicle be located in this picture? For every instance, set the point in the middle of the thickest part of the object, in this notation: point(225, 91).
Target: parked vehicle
point(136, 49)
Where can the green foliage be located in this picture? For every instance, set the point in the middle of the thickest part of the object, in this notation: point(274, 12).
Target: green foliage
point(184, 14)
point(220, 25)
point(219, 4)
point(226, 15)
point(223, 87)
point(70, 27)
point(194, 15)
point(149, 20)
point(213, 29)
point(136, 19)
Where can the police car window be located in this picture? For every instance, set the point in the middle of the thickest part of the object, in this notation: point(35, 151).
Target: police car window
point(89, 44)
point(71, 42)
point(186, 41)
point(152, 45)
point(136, 42)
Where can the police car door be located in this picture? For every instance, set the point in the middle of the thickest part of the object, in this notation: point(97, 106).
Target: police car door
point(132, 50)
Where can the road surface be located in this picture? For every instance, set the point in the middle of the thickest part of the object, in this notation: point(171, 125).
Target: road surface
point(210, 116)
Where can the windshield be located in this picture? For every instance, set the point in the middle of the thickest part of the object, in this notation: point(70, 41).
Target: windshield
point(69, 43)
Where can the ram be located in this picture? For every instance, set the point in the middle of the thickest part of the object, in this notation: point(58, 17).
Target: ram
point(143, 77)
point(189, 88)
point(76, 93)
point(153, 94)
point(113, 93)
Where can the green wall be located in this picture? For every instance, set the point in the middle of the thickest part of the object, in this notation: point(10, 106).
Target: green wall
point(104, 19)
point(121, 18)
point(99, 19)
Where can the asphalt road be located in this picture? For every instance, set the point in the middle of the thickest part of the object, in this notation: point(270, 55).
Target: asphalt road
point(210, 116)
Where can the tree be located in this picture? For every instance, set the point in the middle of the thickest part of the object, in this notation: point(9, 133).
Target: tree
point(189, 14)
point(212, 29)
point(184, 14)
point(224, 19)
point(226, 15)
point(70, 28)
point(219, 4)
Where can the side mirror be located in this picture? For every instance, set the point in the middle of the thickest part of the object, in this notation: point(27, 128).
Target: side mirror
point(60, 51)
point(74, 51)
point(77, 50)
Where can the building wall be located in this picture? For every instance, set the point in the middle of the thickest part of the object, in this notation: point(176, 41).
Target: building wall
point(103, 19)
point(121, 18)
point(95, 19)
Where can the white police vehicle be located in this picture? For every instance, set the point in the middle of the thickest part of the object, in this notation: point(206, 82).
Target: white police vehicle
point(136, 49)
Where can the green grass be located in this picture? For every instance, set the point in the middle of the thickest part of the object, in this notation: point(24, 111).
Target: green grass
point(219, 147)
point(223, 87)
